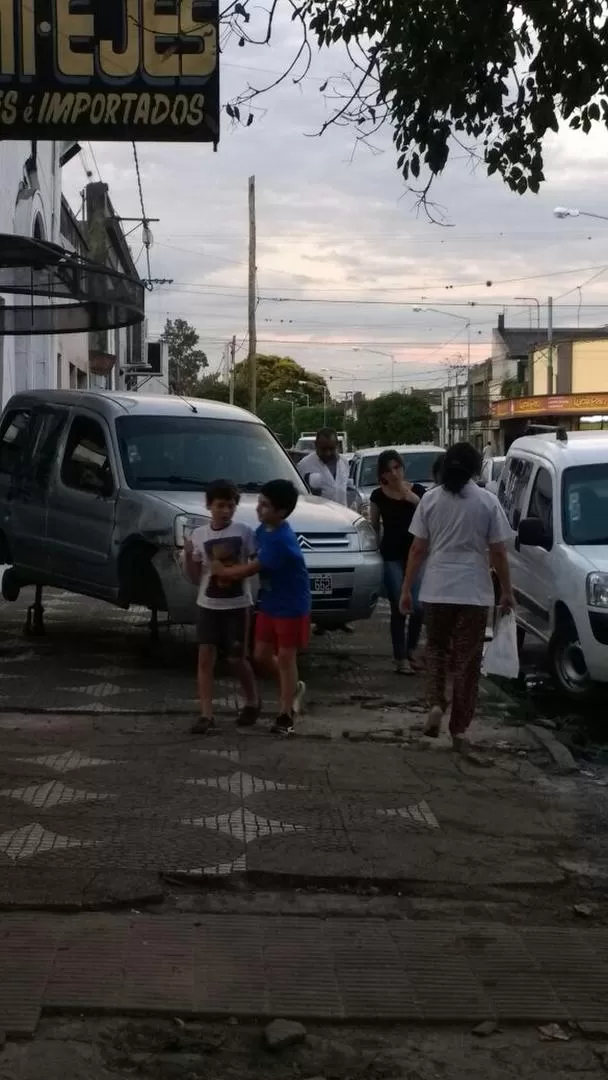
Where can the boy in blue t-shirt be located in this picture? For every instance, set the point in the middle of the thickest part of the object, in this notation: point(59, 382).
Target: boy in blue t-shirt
point(283, 619)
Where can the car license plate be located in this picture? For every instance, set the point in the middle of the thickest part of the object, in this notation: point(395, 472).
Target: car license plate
point(321, 585)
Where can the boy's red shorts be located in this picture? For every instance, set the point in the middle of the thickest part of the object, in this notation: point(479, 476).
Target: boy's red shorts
point(282, 633)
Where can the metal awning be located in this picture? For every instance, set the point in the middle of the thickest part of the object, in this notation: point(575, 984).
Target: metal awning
point(63, 293)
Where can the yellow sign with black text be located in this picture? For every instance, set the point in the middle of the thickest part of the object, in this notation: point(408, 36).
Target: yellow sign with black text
point(109, 69)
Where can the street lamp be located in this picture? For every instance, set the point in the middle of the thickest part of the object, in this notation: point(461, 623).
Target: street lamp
point(562, 212)
point(378, 352)
point(532, 300)
point(467, 322)
point(290, 401)
point(305, 382)
point(303, 392)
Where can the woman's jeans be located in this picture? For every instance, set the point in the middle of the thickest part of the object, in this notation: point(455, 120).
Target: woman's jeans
point(394, 572)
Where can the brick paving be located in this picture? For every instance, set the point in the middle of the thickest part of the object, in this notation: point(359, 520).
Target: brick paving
point(85, 801)
point(98, 659)
point(308, 968)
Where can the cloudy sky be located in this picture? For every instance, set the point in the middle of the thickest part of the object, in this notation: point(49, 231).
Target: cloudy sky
point(343, 258)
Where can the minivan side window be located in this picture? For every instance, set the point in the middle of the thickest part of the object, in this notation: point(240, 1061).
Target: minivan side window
point(86, 463)
point(47, 427)
point(513, 486)
point(541, 501)
point(13, 439)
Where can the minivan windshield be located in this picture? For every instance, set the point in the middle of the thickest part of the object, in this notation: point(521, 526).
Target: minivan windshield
point(173, 453)
point(585, 504)
point(418, 467)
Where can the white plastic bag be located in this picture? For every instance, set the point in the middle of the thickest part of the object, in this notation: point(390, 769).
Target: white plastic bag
point(501, 656)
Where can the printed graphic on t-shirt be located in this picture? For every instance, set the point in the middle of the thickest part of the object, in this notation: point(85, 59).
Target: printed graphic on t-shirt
point(229, 552)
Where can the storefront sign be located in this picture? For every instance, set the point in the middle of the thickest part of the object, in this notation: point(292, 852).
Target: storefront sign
point(109, 69)
point(544, 405)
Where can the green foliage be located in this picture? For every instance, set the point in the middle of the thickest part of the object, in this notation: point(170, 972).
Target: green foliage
point(186, 362)
point(511, 388)
point(393, 418)
point(493, 75)
point(275, 375)
point(279, 415)
point(212, 388)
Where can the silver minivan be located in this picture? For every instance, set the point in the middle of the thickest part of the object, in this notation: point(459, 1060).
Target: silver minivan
point(97, 490)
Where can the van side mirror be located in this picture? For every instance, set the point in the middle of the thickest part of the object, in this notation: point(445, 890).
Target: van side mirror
point(532, 533)
point(350, 484)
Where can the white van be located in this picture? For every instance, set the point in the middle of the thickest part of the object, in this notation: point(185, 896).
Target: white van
point(554, 490)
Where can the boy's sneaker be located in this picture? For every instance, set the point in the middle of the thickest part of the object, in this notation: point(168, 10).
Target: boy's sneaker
point(283, 725)
point(298, 701)
point(203, 726)
point(248, 716)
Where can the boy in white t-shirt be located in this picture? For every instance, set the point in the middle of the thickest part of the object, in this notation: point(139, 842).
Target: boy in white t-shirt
point(225, 607)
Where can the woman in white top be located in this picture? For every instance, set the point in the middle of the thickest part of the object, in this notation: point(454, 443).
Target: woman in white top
point(458, 528)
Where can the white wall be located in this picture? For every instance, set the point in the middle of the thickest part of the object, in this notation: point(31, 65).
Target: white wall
point(28, 362)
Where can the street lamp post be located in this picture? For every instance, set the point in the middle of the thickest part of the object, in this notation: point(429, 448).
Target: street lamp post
point(378, 352)
point(568, 211)
point(532, 300)
point(467, 322)
point(290, 401)
point(301, 382)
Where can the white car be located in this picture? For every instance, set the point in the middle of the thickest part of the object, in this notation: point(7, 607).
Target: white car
point(554, 490)
point(418, 460)
point(491, 472)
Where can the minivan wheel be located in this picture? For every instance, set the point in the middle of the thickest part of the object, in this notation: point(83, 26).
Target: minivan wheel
point(567, 661)
point(140, 584)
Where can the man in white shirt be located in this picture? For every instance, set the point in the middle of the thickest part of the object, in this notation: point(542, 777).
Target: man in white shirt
point(325, 462)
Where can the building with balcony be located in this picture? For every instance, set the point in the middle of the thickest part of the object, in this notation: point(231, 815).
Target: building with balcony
point(30, 199)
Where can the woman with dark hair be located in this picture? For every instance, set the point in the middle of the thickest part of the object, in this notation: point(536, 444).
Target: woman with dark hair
point(457, 528)
point(392, 507)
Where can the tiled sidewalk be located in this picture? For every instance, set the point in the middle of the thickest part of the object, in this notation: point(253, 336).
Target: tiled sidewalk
point(310, 968)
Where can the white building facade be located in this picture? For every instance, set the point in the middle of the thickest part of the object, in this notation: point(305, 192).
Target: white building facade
point(30, 204)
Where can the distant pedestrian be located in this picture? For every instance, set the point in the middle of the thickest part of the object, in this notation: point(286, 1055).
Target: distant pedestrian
point(326, 463)
point(224, 608)
point(392, 507)
point(282, 625)
point(456, 527)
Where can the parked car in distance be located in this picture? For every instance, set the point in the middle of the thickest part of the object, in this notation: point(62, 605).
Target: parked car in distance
point(418, 460)
point(97, 490)
point(554, 490)
point(308, 439)
point(491, 473)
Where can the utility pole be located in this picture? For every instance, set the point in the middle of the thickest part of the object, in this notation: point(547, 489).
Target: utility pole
point(469, 395)
point(550, 345)
point(232, 362)
point(253, 339)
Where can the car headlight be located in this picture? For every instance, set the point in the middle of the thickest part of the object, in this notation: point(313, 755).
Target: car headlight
point(184, 525)
point(367, 536)
point(597, 590)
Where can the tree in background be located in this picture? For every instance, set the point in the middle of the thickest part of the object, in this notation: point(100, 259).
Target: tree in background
point(279, 416)
point(494, 78)
point(276, 375)
point(393, 419)
point(186, 362)
point(212, 388)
